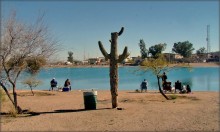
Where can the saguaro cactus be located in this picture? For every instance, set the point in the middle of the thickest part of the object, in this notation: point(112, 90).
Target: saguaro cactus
point(114, 60)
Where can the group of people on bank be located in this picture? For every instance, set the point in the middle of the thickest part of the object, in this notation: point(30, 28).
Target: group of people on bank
point(144, 85)
point(167, 85)
point(54, 84)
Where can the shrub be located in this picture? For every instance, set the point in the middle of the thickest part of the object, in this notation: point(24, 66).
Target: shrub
point(173, 96)
point(13, 112)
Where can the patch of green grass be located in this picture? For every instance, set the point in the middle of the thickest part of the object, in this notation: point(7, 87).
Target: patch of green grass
point(173, 96)
point(189, 97)
point(35, 93)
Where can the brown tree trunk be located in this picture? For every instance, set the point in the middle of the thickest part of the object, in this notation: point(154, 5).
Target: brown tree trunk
point(32, 91)
point(15, 99)
point(6, 91)
point(14, 102)
point(18, 108)
point(161, 91)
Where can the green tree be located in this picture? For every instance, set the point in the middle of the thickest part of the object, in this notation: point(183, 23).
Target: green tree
point(70, 57)
point(201, 51)
point(157, 66)
point(34, 64)
point(32, 83)
point(23, 48)
point(144, 52)
point(157, 49)
point(183, 48)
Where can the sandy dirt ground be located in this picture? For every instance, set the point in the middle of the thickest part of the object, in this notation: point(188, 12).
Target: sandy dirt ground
point(64, 111)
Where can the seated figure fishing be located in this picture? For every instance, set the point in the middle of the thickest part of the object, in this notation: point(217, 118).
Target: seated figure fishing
point(67, 85)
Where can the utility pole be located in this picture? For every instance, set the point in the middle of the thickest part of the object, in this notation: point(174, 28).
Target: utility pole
point(170, 56)
point(208, 40)
point(84, 57)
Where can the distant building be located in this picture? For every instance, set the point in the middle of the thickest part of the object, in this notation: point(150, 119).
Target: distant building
point(172, 57)
point(213, 57)
point(93, 61)
point(85, 62)
point(178, 56)
point(98, 61)
point(135, 59)
point(68, 63)
point(215, 54)
point(128, 59)
point(78, 62)
point(102, 61)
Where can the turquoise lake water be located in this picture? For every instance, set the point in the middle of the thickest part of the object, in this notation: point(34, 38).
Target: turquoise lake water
point(200, 79)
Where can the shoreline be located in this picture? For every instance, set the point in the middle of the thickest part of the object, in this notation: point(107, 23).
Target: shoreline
point(88, 90)
point(205, 64)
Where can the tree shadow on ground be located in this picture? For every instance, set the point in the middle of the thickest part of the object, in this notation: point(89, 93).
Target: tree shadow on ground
point(27, 113)
point(144, 92)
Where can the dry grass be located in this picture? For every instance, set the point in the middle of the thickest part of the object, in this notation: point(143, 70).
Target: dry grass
point(2, 95)
point(36, 93)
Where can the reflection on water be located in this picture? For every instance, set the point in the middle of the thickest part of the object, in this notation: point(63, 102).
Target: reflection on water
point(200, 79)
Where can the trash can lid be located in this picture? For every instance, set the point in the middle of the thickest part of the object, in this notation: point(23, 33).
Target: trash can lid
point(90, 93)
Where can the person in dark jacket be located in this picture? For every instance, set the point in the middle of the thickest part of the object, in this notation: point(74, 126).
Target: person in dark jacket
point(178, 85)
point(67, 84)
point(53, 84)
point(144, 85)
point(164, 79)
point(188, 89)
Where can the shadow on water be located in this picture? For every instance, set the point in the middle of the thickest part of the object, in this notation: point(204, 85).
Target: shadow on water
point(27, 113)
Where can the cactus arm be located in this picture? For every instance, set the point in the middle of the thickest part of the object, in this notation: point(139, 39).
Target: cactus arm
point(105, 54)
point(121, 31)
point(124, 55)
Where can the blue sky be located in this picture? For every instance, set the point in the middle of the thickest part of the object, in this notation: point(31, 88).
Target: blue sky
point(79, 25)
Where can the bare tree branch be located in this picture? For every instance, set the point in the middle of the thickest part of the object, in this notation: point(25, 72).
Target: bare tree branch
point(20, 42)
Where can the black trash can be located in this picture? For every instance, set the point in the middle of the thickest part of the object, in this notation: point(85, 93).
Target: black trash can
point(90, 100)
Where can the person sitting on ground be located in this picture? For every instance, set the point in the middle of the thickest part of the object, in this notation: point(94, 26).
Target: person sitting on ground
point(53, 84)
point(178, 85)
point(67, 84)
point(173, 89)
point(188, 89)
point(183, 90)
point(144, 85)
